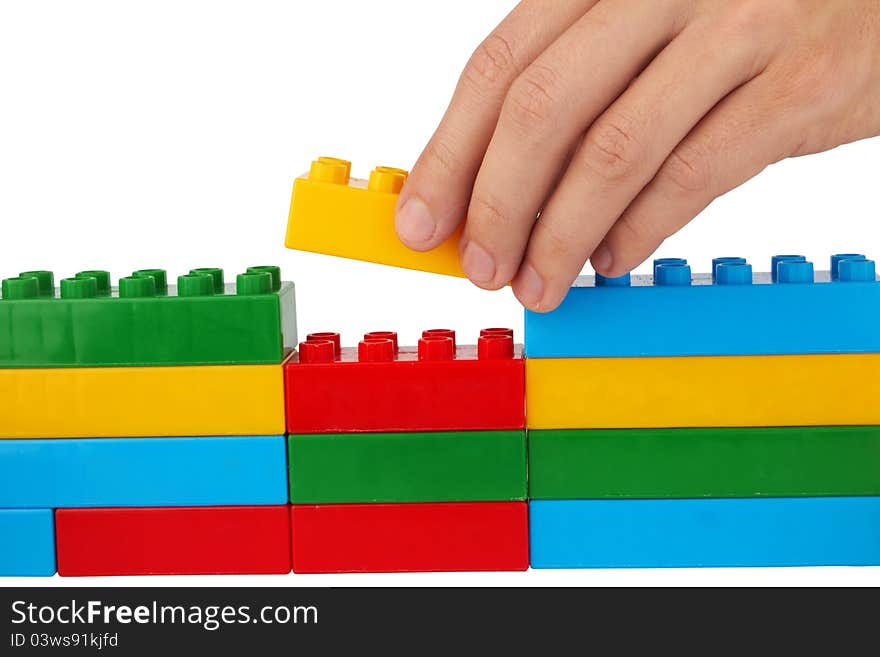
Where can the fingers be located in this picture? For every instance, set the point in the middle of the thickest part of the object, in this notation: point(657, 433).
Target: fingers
point(735, 142)
point(434, 200)
point(543, 115)
point(622, 151)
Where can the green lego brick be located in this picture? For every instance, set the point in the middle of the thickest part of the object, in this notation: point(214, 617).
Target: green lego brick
point(444, 466)
point(144, 321)
point(681, 463)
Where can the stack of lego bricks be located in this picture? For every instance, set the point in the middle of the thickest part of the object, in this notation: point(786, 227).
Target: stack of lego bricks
point(726, 419)
point(141, 429)
point(407, 458)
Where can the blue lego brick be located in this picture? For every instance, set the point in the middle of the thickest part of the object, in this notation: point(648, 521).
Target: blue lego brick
point(731, 312)
point(100, 472)
point(783, 531)
point(27, 543)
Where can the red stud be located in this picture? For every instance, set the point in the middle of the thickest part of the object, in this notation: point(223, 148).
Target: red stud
point(317, 351)
point(375, 350)
point(436, 347)
point(382, 335)
point(332, 336)
point(496, 331)
point(495, 347)
point(443, 333)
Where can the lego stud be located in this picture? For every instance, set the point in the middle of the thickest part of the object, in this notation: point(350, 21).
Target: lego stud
point(323, 336)
point(617, 281)
point(159, 277)
point(733, 273)
point(495, 347)
point(668, 261)
point(436, 347)
point(216, 275)
point(387, 179)
point(45, 280)
point(375, 351)
point(23, 287)
point(442, 333)
point(79, 288)
point(497, 331)
point(794, 271)
point(672, 275)
point(317, 351)
point(195, 285)
point(253, 283)
point(861, 271)
point(725, 260)
point(272, 270)
point(837, 257)
point(775, 260)
point(101, 277)
point(131, 287)
point(330, 170)
point(382, 335)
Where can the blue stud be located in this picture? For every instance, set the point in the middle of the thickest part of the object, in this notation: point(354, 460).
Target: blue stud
point(775, 260)
point(733, 273)
point(672, 275)
point(836, 258)
point(619, 281)
point(668, 261)
point(794, 271)
point(721, 261)
point(857, 270)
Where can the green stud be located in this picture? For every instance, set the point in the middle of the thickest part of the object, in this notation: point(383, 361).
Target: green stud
point(79, 288)
point(215, 273)
point(45, 279)
point(274, 272)
point(253, 283)
point(159, 277)
point(137, 286)
point(195, 285)
point(23, 287)
point(101, 277)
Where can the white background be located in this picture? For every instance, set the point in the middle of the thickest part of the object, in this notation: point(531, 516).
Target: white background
point(167, 134)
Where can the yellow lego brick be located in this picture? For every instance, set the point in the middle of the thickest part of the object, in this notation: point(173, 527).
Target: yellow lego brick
point(713, 391)
point(334, 214)
point(211, 400)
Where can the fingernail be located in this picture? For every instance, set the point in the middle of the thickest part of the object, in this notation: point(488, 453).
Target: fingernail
point(529, 287)
point(602, 259)
point(414, 222)
point(477, 263)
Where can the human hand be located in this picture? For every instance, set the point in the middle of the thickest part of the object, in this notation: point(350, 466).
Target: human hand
point(597, 128)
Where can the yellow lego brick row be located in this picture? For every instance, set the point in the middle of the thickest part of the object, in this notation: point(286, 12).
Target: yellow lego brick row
point(211, 400)
point(334, 214)
point(713, 391)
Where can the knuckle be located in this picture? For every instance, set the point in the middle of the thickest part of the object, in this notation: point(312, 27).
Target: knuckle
point(686, 171)
point(756, 16)
point(493, 62)
point(487, 212)
point(532, 102)
point(440, 156)
point(613, 149)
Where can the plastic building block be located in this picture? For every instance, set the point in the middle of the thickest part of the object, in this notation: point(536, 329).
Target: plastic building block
point(27, 543)
point(662, 463)
point(380, 387)
point(174, 541)
point(452, 536)
point(781, 531)
point(85, 472)
point(142, 401)
point(334, 214)
point(675, 314)
point(704, 391)
point(407, 467)
point(201, 321)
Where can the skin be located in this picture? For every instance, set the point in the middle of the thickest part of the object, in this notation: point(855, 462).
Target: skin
point(595, 129)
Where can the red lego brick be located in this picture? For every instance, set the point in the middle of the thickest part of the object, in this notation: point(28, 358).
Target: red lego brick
point(449, 536)
point(436, 386)
point(173, 540)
